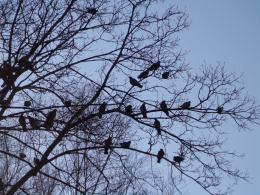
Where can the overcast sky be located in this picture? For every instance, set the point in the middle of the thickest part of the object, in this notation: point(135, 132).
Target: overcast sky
point(228, 31)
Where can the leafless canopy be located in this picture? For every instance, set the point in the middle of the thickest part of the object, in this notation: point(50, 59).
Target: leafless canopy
point(74, 74)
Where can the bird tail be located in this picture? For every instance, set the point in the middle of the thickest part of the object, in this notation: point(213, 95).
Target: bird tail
point(158, 160)
point(106, 151)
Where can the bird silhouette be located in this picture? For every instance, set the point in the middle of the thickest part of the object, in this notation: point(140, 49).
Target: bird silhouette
point(186, 105)
point(22, 122)
point(143, 110)
point(27, 103)
point(67, 103)
point(102, 109)
point(165, 75)
point(144, 74)
point(129, 110)
point(155, 66)
point(108, 143)
point(220, 109)
point(160, 155)
point(164, 108)
point(35, 124)
point(134, 82)
point(92, 10)
point(157, 126)
point(50, 119)
point(22, 155)
point(125, 144)
point(178, 159)
point(36, 161)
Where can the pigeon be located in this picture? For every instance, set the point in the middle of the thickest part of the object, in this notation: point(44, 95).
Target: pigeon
point(164, 108)
point(165, 75)
point(67, 103)
point(220, 109)
point(108, 143)
point(92, 10)
point(129, 110)
point(102, 109)
point(134, 82)
point(157, 126)
point(143, 110)
point(22, 155)
point(34, 123)
point(155, 66)
point(50, 119)
point(178, 159)
point(186, 105)
point(27, 103)
point(160, 155)
point(125, 144)
point(143, 75)
point(22, 122)
point(36, 161)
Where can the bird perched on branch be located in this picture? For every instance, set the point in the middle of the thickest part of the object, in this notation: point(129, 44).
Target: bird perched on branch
point(92, 10)
point(178, 159)
point(155, 66)
point(143, 110)
point(27, 103)
point(67, 103)
point(165, 75)
point(129, 110)
point(220, 109)
point(144, 74)
point(125, 144)
point(22, 155)
point(35, 124)
point(22, 122)
point(108, 143)
point(50, 119)
point(134, 82)
point(164, 108)
point(102, 109)
point(36, 161)
point(157, 126)
point(160, 155)
point(186, 105)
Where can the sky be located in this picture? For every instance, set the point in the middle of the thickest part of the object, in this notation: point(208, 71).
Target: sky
point(228, 31)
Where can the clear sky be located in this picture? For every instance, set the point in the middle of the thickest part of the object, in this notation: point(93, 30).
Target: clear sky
point(228, 31)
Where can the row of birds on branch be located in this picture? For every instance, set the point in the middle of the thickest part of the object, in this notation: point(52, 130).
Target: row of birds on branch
point(108, 145)
point(145, 74)
point(143, 110)
point(35, 123)
point(178, 159)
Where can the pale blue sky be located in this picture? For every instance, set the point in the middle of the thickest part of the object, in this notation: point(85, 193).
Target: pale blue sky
point(228, 31)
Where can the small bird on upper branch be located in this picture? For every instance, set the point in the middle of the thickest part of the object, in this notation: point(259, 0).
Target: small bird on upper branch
point(143, 110)
point(164, 108)
point(134, 82)
point(160, 155)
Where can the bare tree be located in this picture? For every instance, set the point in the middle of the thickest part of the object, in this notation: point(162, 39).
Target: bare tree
point(96, 98)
